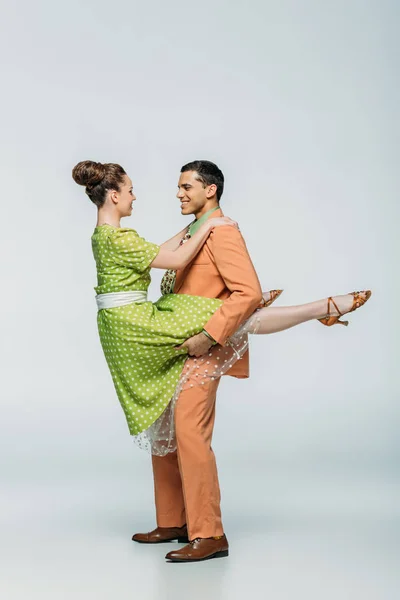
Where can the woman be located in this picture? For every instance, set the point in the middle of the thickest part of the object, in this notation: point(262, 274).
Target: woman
point(140, 338)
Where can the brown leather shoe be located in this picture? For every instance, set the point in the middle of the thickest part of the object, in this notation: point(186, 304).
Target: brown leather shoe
point(201, 549)
point(162, 534)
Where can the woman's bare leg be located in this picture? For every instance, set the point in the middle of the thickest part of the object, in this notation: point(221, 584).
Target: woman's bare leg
point(274, 319)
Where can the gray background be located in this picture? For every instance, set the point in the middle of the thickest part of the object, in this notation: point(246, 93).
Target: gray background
point(297, 102)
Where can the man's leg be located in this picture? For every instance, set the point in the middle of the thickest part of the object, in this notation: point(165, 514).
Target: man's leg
point(170, 506)
point(194, 422)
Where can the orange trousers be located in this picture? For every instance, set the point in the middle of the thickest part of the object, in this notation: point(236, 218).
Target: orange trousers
point(186, 481)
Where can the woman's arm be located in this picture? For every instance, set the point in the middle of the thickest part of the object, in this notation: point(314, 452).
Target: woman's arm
point(179, 258)
point(173, 243)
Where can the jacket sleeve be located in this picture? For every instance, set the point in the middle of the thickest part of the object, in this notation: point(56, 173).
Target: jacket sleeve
point(236, 269)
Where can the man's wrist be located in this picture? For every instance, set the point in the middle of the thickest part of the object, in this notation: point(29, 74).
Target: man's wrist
point(214, 342)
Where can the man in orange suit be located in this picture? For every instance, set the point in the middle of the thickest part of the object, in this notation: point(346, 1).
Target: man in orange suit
point(187, 494)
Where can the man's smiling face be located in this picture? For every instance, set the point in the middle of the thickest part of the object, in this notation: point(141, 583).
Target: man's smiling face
point(194, 195)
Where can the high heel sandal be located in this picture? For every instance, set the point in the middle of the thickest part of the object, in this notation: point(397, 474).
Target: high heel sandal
point(273, 295)
point(358, 301)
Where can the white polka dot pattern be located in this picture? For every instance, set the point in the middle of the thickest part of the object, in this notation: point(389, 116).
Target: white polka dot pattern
point(159, 439)
point(139, 340)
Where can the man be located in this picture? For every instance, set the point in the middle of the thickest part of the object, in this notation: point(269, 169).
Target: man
point(187, 494)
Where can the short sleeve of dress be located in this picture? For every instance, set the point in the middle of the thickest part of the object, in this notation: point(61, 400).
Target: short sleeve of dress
point(130, 250)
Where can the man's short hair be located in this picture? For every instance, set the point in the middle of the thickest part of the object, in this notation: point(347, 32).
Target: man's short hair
point(208, 173)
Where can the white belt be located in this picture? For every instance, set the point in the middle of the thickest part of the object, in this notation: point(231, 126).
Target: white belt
point(114, 299)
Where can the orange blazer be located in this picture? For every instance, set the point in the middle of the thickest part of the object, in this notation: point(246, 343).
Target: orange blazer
point(223, 269)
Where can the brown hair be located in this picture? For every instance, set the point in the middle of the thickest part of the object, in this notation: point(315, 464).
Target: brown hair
point(98, 178)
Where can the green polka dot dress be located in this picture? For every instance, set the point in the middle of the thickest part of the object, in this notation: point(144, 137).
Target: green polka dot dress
point(139, 339)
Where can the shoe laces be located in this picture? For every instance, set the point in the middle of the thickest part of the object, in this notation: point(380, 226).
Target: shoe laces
point(194, 541)
point(216, 537)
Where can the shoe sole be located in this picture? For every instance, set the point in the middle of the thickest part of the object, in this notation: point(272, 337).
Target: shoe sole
point(178, 540)
point(221, 554)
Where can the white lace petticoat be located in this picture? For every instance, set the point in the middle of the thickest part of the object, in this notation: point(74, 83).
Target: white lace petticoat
point(159, 438)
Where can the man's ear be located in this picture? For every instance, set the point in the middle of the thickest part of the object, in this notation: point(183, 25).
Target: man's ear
point(211, 191)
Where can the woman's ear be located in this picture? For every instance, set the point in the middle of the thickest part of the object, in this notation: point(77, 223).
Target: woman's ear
point(114, 196)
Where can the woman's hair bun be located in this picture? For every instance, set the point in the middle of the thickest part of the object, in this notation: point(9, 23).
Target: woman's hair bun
point(89, 173)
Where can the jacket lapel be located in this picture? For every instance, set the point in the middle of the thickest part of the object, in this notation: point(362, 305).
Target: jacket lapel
point(182, 273)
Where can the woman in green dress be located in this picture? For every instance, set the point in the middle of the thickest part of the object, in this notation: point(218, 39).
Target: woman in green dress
point(140, 338)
